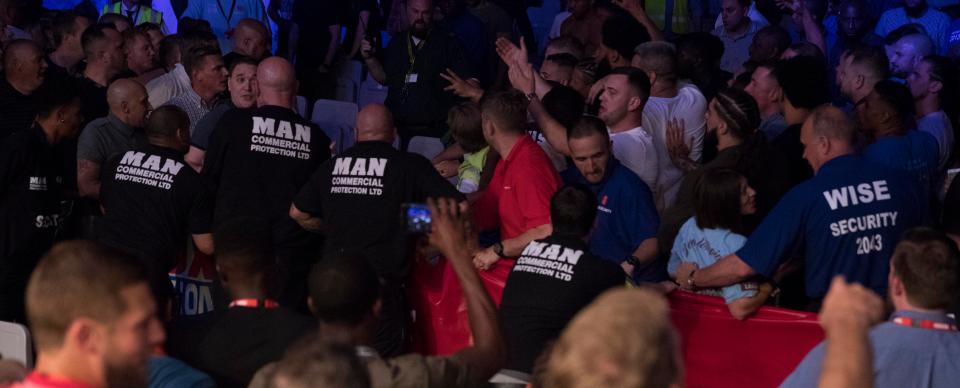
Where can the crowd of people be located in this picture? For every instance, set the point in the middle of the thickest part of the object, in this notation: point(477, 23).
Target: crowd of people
point(170, 217)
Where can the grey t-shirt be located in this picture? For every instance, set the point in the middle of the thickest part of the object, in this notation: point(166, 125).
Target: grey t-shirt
point(938, 125)
point(108, 136)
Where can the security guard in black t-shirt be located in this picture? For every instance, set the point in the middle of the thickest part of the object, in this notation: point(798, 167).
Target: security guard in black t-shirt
point(257, 161)
point(31, 194)
point(554, 278)
point(355, 200)
point(155, 174)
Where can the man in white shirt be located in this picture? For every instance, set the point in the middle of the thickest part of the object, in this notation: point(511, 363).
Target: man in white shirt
point(626, 91)
point(669, 100)
point(177, 82)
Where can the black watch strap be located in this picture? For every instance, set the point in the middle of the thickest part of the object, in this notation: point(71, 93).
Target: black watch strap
point(498, 249)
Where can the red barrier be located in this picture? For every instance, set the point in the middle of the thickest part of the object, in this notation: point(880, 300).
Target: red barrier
point(720, 351)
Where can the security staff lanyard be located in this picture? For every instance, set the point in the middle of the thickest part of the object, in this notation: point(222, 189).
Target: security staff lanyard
point(924, 324)
point(255, 303)
point(412, 55)
point(227, 17)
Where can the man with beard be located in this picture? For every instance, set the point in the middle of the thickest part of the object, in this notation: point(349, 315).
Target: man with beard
point(916, 11)
point(208, 78)
point(411, 66)
point(92, 317)
point(907, 52)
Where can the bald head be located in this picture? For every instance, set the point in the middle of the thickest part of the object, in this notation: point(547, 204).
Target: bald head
point(251, 38)
point(375, 123)
point(277, 82)
point(24, 65)
point(128, 102)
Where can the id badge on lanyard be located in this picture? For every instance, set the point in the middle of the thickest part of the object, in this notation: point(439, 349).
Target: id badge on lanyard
point(411, 78)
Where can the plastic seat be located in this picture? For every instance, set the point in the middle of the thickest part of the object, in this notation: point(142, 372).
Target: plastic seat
point(302, 107)
point(346, 90)
point(337, 119)
point(429, 147)
point(371, 92)
point(15, 343)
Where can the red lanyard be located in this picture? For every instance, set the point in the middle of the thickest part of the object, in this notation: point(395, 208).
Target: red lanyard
point(924, 324)
point(255, 303)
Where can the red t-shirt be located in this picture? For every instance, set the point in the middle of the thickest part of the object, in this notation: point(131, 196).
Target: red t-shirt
point(37, 380)
point(516, 200)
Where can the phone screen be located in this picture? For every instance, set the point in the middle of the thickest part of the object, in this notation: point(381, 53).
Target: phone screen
point(417, 217)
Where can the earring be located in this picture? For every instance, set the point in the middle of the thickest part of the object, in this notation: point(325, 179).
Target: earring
point(61, 121)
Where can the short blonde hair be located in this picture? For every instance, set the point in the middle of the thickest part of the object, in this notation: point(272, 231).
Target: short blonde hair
point(623, 339)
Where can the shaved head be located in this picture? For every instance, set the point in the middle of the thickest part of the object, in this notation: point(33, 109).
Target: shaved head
point(276, 74)
point(128, 102)
point(251, 38)
point(375, 122)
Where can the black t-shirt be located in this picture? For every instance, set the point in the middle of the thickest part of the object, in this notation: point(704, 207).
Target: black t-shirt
point(789, 145)
point(152, 201)
point(358, 196)
point(419, 98)
point(94, 100)
point(245, 339)
point(314, 17)
point(30, 211)
point(17, 111)
point(552, 280)
point(257, 161)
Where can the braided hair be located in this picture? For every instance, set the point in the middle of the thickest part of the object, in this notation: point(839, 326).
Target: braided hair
point(739, 111)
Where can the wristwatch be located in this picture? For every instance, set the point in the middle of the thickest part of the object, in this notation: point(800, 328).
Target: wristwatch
point(498, 249)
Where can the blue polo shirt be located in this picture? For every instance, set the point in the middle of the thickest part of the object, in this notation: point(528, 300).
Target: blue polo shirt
point(902, 356)
point(847, 219)
point(626, 216)
point(916, 153)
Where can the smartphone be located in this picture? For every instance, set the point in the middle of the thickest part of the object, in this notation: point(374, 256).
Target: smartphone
point(416, 218)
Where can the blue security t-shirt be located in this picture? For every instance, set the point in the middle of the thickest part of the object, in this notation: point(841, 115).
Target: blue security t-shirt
point(916, 153)
point(704, 247)
point(626, 216)
point(848, 218)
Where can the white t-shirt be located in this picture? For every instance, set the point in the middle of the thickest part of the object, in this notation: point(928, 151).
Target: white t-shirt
point(165, 87)
point(690, 106)
point(938, 125)
point(635, 149)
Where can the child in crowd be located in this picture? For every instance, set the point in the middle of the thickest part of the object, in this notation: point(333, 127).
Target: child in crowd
point(723, 197)
point(475, 170)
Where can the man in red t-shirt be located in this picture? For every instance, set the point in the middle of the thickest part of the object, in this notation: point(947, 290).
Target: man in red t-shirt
point(93, 318)
point(517, 200)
